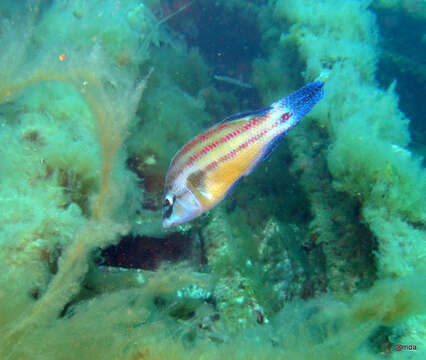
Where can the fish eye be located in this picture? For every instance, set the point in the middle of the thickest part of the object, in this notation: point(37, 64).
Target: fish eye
point(168, 201)
point(168, 206)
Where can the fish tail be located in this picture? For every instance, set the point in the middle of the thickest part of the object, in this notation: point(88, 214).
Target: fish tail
point(303, 100)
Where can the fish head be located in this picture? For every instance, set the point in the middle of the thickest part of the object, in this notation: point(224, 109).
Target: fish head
point(180, 207)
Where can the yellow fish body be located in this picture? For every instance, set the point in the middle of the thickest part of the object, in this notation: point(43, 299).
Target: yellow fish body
point(202, 173)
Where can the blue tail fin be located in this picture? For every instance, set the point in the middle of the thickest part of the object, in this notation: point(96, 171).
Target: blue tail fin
point(303, 100)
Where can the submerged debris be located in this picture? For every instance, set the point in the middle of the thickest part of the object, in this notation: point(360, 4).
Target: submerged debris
point(233, 81)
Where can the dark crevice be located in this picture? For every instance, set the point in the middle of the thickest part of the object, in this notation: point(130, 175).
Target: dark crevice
point(147, 253)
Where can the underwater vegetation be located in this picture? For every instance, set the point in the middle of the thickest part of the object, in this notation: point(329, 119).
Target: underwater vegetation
point(320, 253)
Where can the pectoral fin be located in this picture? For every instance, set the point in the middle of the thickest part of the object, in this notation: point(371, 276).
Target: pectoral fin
point(197, 184)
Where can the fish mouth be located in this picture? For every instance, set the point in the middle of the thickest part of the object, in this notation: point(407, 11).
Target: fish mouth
point(167, 224)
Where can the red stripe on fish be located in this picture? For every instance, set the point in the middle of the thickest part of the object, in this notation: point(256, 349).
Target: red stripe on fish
point(250, 141)
point(195, 141)
point(252, 123)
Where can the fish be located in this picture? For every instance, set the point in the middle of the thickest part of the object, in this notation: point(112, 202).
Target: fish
point(205, 170)
point(233, 81)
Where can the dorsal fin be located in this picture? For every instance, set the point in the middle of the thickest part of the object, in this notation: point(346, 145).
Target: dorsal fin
point(241, 115)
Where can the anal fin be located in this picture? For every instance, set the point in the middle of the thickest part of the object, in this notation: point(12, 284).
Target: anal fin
point(265, 153)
